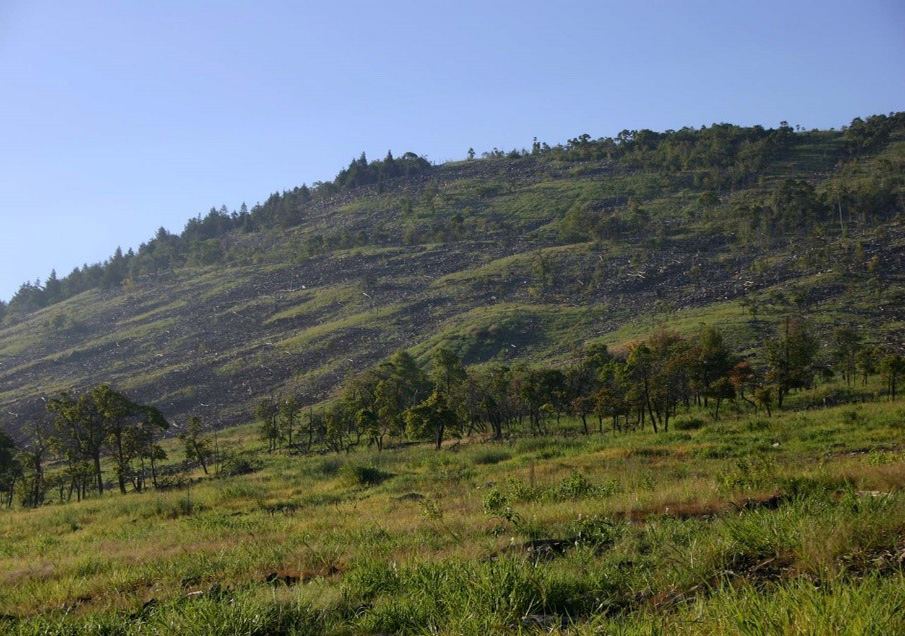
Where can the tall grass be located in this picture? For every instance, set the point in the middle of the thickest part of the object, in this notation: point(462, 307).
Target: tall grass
point(792, 524)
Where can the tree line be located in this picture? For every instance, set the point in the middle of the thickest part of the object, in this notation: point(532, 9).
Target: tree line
point(199, 242)
point(645, 386)
point(80, 431)
point(723, 156)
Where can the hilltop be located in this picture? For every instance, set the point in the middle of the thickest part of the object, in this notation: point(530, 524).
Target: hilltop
point(515, 257)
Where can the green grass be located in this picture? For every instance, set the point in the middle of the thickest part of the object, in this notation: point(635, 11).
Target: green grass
point(661, 532)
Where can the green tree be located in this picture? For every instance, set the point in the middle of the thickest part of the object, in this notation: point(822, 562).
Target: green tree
point(10, 469)
point(892, 368)
point(141, 443)
point(846, 347)
point(32, 457)
point(611, 399)
point(196, 445)
point(491, 388)
point(868, 361)
point(268, 413)
point(118, 413)
point(448, 370)
point(379, 397)
point(790, 358)
point(289, 414)
point(82, 425)
point(713, 362)
point(721, 390)
point(433, 418)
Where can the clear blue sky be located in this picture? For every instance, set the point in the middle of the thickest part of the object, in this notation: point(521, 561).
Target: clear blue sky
point(120, 117)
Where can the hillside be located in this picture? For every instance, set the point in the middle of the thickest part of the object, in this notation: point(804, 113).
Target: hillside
point(516, 257)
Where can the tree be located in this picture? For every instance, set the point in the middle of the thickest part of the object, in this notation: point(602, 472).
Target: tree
point(100, 421)
point(763, 397)
point(659, 367)
point(846, 347)
point(721, 390)
point(790, 358)
point(53, 288)
point(31, 458)
point(491, 386)
point(268, 412)
point(582, 406)
point(742, 378)
point(539, 390)
point(713, 362)
point(116, 410)
point(140, 443)
point(197, 447)
point(81, 429)
point(892, 367)
point(868, 361)
point(387, 417)
point(431, 419)
point(9, 469)
point(448, 371)
point(376, 400)
point(339, 427)
point(289, 412)
point(641, 366)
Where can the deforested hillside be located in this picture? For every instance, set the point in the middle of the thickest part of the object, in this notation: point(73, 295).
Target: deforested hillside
point(516, 256)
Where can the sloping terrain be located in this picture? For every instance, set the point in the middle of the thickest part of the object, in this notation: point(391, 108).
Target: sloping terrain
point(475, 255)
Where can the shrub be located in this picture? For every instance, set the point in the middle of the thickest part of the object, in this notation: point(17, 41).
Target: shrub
point(595, 531)
point(755, 426)
point(491, 456)
point(357, 475)
point(688, 423)
point(495, 502)
point(575, 486)
point(749, 473)
point(328, 467)
point(239, 466)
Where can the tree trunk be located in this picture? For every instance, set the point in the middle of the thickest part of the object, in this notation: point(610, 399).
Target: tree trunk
point(440, 437)
point(97, 473)
point(120, 464)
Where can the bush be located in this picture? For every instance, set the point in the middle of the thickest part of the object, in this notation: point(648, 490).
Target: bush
point(750, 473)
point(688, 423)
point(490, 456)
point(575, 486)
point(357, 475)
point(595, 531)
point(239, 466)
point(756, 426)
point(329, 467)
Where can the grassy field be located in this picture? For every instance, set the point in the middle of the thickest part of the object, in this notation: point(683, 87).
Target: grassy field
point(793, 524)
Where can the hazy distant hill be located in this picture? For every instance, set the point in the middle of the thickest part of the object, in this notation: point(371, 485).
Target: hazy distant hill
point(517, 257)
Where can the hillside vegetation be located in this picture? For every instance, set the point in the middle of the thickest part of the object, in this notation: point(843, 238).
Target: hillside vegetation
point(519, 256)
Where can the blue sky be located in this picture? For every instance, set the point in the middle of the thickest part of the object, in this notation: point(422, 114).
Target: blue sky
point(119, 117)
